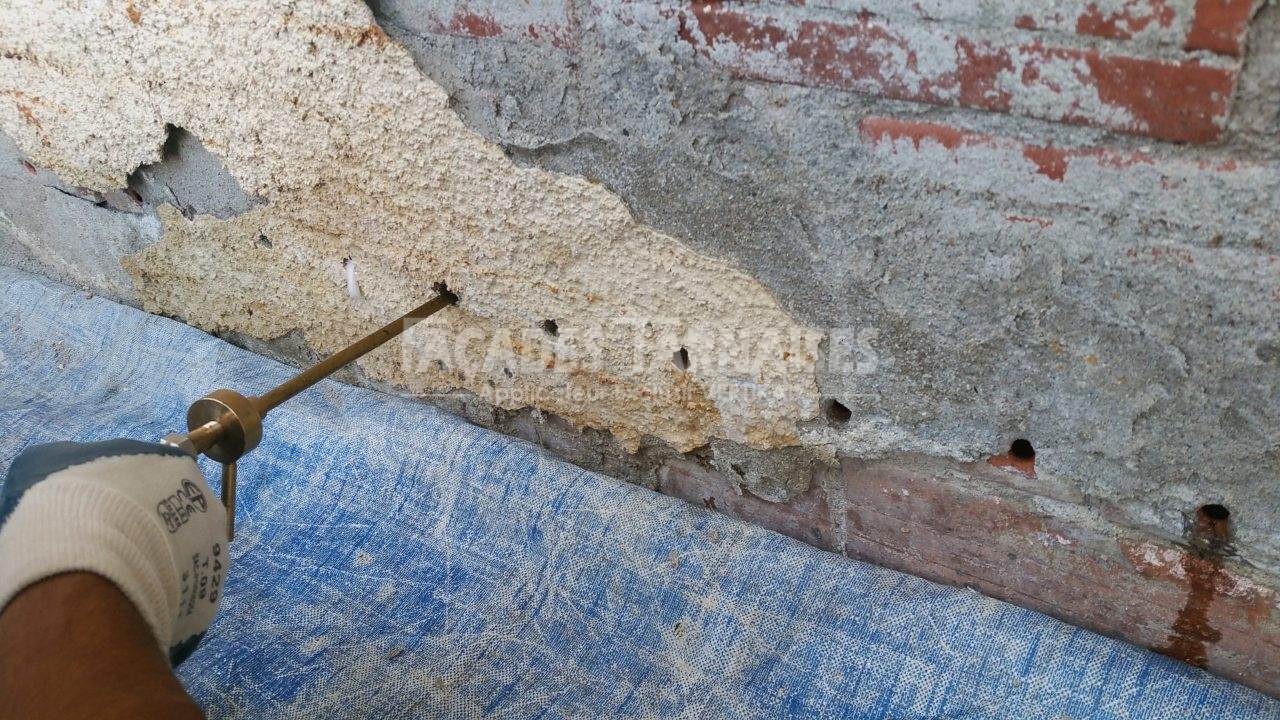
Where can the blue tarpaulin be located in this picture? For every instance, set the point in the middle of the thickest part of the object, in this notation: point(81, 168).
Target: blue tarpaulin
point(393, 561)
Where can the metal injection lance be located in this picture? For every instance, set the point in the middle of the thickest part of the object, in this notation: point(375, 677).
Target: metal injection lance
point(225, 425)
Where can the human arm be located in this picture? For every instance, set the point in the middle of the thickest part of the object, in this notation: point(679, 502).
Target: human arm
point(73, 646)
point(95, 539)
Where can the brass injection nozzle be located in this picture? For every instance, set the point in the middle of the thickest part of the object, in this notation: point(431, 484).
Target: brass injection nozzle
point(225, 425)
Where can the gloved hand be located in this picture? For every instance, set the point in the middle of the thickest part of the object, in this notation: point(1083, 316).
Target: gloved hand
point(139, 514)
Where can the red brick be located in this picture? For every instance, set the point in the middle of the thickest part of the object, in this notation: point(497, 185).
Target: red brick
point(969, 525)
point(1008, 460)
point(1183, 100)
point(1220, 26)
point(1051, 162)
point(1217, 26)
point(1124, 24)
point(1042, 189)
point(545, 22)
point(974, 531)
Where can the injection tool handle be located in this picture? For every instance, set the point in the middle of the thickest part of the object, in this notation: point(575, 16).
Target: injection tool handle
point(225, 425)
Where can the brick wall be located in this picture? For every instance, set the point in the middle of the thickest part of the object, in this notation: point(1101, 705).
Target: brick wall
point(972, 526)
point(1012, 218)
point(1164, 69)
point(548, 22)
point(1093, 71)
point(1058, 111)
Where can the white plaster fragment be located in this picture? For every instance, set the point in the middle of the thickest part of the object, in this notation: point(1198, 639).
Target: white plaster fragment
point(353, 287)
point(1243, 587)
point(1051, 539)
point(1162, 559)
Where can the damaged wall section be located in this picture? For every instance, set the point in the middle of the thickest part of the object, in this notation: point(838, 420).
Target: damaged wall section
point(981, 277)
point(778, 257)
point(355, 154)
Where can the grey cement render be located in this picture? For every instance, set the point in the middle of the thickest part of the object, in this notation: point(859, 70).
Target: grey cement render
point(77, 236)
point(65, 233)
point(956, 351)
point(191, 179)
point(949, 325)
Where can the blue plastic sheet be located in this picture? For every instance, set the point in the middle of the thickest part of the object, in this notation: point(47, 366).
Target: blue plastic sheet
point(393, 561)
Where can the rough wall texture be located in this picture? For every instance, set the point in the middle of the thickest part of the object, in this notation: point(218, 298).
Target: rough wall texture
point(878, 231)
point(981, 277)
point(355, 154)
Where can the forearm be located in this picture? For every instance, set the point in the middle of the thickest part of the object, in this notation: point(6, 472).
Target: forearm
point(74, 646)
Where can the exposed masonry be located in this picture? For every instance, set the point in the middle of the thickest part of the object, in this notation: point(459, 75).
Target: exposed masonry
point(362, 160)
point(992, 246)
point(991, 68)
point(981, 277)
point(965, 525)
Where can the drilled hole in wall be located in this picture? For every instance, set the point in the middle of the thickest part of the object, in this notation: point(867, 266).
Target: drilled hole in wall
point(1022, 449)
point(442, 288)
point(680, 359)
point(836, 412)
point(1210, 528)
point(1214, 511)
point(551, 328)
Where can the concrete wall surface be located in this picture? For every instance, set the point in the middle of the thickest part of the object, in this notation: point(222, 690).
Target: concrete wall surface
point(783, 258)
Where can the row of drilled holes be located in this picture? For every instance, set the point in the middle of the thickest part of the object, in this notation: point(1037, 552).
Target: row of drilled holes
point(838, 414)
point(1021, 449)
point(679, 358)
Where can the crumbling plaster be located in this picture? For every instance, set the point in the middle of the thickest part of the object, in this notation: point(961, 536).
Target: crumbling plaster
point(946, 329)
point(1147, 387)
point(354, 153)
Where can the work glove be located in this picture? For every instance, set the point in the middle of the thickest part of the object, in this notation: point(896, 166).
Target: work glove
point(139, 514)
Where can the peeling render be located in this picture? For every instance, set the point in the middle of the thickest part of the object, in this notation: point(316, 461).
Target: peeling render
point(70, 234)
point(1071, 80)
point(1087, 319)
point(1009, 279)
point(314, 110)
point(981, 277)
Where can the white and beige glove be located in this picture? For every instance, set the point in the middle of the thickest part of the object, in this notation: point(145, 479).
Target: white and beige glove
point(139, 514)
